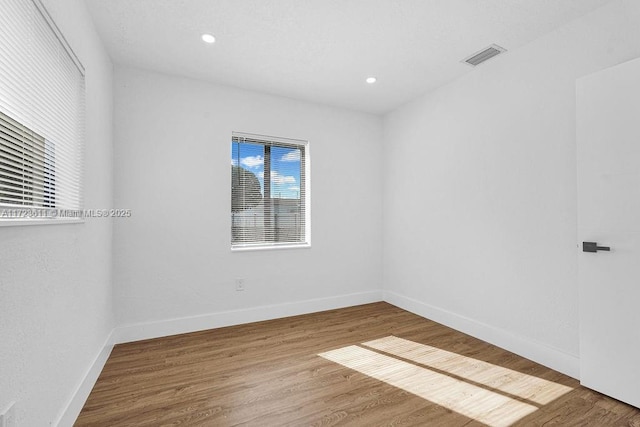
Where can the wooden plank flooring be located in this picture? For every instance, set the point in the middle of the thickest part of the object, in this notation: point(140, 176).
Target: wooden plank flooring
point(370, 365)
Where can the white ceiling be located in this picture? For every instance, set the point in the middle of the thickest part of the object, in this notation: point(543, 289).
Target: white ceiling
point(322, 50)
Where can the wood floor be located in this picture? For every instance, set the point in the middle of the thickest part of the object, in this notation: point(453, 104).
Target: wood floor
point(370, 365)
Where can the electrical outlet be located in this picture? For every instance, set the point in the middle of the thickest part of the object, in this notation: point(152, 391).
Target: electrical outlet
point(239, 285)
point(8, 417)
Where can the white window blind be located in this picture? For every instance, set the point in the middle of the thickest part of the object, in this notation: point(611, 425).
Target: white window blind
point(269, 192)
point(42, 100)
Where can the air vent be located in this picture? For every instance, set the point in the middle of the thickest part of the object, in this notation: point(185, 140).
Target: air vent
point(484, 55)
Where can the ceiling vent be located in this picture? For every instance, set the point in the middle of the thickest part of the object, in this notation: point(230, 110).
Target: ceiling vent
point(484, 55)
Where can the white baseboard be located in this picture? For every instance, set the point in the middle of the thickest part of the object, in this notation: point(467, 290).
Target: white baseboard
point(553, 358)
point(80, 395)
point(163, 328)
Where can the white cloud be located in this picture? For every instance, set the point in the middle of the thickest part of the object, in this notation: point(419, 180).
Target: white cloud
point(234, 162)
point(278, 179)
point(261, 175)
point(291, 156)
point(252, 161)
point(294, 188)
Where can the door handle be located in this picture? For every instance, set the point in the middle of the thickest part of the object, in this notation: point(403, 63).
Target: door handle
point(593, 247)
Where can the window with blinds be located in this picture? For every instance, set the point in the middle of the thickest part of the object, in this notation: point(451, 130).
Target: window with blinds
point(42, 100)
point(269, 192)
point(27, 166)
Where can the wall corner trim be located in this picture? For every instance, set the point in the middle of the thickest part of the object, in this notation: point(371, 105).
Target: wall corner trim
point(82, 391)
point(553, 358)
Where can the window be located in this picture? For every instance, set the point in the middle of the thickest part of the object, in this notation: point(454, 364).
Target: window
point(41, 115)
point(269, 192)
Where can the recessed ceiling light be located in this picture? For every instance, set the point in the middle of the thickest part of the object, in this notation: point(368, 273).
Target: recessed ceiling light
point(371, 80)
point(208, 38)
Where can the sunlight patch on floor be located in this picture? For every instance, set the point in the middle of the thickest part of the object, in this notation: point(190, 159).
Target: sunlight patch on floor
point(464, 398)
point(496, 377)
point(485, 392)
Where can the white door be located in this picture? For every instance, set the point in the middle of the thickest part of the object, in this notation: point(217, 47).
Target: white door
point(608, 135)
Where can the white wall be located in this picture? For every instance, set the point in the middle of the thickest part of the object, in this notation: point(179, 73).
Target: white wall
point(172, 168)
point(480, 191)
point(55, 280)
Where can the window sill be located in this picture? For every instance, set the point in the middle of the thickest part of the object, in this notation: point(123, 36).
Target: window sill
point(30, 221)
point(270, 247)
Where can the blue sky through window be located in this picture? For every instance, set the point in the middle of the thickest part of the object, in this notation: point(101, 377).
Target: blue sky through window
point(285, 167)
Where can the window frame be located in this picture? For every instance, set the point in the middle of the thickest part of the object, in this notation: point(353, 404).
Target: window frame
point(305, 189)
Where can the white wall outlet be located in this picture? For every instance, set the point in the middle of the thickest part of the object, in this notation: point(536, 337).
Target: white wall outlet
point(8, 416)
point(239, 287)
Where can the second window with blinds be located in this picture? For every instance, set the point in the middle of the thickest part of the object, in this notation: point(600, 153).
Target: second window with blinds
point(269, 192)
